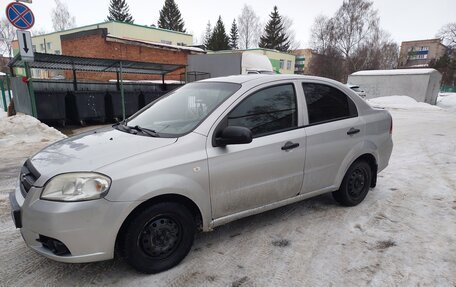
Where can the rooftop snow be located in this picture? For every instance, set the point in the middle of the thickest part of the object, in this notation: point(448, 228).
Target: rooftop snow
point(394, 72)
point(176, 47)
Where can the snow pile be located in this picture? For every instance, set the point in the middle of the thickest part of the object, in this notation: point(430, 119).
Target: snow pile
point(400, 102)
point(2, 114)
point(26, 129)
point(447, 100)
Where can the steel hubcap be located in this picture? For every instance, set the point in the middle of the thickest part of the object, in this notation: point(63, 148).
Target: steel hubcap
point(160, 237)
point(357, 182)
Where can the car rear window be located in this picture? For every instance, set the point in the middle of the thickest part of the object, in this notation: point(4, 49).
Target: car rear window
point(325, 103)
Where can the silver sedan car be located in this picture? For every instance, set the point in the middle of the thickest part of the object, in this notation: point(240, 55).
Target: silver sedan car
point(201, 156)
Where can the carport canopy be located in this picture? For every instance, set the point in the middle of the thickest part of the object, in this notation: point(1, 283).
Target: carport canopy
point(72, 63)
point(84, 64)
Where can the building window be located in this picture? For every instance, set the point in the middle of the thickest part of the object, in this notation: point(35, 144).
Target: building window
point(49, 46)
point(288, 65)
point(282, 64)
point(42, 47)
point(57, 52)
point(166, 42)
point(34, 48)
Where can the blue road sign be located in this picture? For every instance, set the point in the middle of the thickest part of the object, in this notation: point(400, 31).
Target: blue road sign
point(20, 16)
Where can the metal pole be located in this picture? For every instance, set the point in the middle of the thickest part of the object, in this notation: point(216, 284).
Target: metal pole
point(118, 80)
point(5, 108)
point(122, 93)
point(30, 88)
point(163, 79)
point(75, 81)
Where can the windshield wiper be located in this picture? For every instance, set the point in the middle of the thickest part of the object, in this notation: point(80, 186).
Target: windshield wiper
point(121, 123)
point(145, 131)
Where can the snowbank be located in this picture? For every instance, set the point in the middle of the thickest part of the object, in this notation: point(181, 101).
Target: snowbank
point(400, 102)
point(26, 129)
point(2, 114)
point(447, 100)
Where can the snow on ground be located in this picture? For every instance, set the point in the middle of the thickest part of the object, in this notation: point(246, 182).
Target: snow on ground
point(400, 102)
point(2, 113)
point(21, 129)
point(447, 100)
point(403, 234)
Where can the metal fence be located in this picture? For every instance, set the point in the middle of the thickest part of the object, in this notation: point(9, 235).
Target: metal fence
point(5, 91)
point(448, 89)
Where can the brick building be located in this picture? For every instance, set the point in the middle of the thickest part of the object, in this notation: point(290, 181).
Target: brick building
point(418, 54)
point(51, 43)
point(98, 44)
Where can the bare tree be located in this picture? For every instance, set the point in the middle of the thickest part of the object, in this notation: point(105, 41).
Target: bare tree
point(249, 28)
point(7, 35)
point(290, 32)
point(355, 24)
point(61, 17)
point(38, 32)
point(354, 35)
point(448, 35)
point(379, 52)
point(322, 35)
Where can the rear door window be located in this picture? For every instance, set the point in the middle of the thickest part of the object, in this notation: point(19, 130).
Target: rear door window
point(325, 104)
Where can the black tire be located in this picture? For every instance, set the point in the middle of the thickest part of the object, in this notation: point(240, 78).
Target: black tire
point(355, 185)
point(158, 237)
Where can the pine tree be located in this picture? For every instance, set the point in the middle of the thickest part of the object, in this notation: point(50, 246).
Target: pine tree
point(119, 11)
point(234, 36)
point(219, 40)
point(207, 34)
point(170, 17)
point(274, 36)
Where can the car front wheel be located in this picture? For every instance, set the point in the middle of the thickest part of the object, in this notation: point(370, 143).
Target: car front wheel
point(159, 237)
point(355, 184)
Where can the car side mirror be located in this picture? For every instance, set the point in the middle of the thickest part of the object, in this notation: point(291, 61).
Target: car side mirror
point(234, 135)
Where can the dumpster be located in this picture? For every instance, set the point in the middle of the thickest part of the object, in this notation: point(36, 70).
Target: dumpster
point(50, 106)
point(114, 105)
point(84, 106)
point(146, 98)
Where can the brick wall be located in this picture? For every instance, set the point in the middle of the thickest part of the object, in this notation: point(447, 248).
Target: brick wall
point(94, 44)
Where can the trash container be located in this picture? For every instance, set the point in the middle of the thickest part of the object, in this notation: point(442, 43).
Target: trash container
point(50, 106)
point(84, 106)
point(148, 97)
point(114, 104)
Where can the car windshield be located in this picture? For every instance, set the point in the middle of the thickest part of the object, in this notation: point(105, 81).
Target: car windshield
point(182, 110)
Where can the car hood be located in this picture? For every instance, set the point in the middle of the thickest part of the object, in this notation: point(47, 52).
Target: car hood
point(92, 150)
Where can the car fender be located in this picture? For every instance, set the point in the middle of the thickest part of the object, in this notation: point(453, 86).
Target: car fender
point(166, 184)
point(362, 148)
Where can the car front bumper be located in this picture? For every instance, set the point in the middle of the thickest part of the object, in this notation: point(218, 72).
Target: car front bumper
point(87, 229)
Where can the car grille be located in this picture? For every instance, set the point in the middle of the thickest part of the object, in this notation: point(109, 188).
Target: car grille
point(28, 177)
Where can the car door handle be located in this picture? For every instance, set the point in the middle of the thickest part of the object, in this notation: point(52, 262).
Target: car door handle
point(289, 146)
point(353, 131)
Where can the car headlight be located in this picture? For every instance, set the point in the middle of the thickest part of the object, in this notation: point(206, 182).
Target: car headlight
point(79, 186)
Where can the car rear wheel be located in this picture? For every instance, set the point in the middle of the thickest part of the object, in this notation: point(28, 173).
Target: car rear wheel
point(159, 237)
point(355, 185)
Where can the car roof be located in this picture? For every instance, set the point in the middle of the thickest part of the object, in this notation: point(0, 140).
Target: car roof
point(241, 79)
